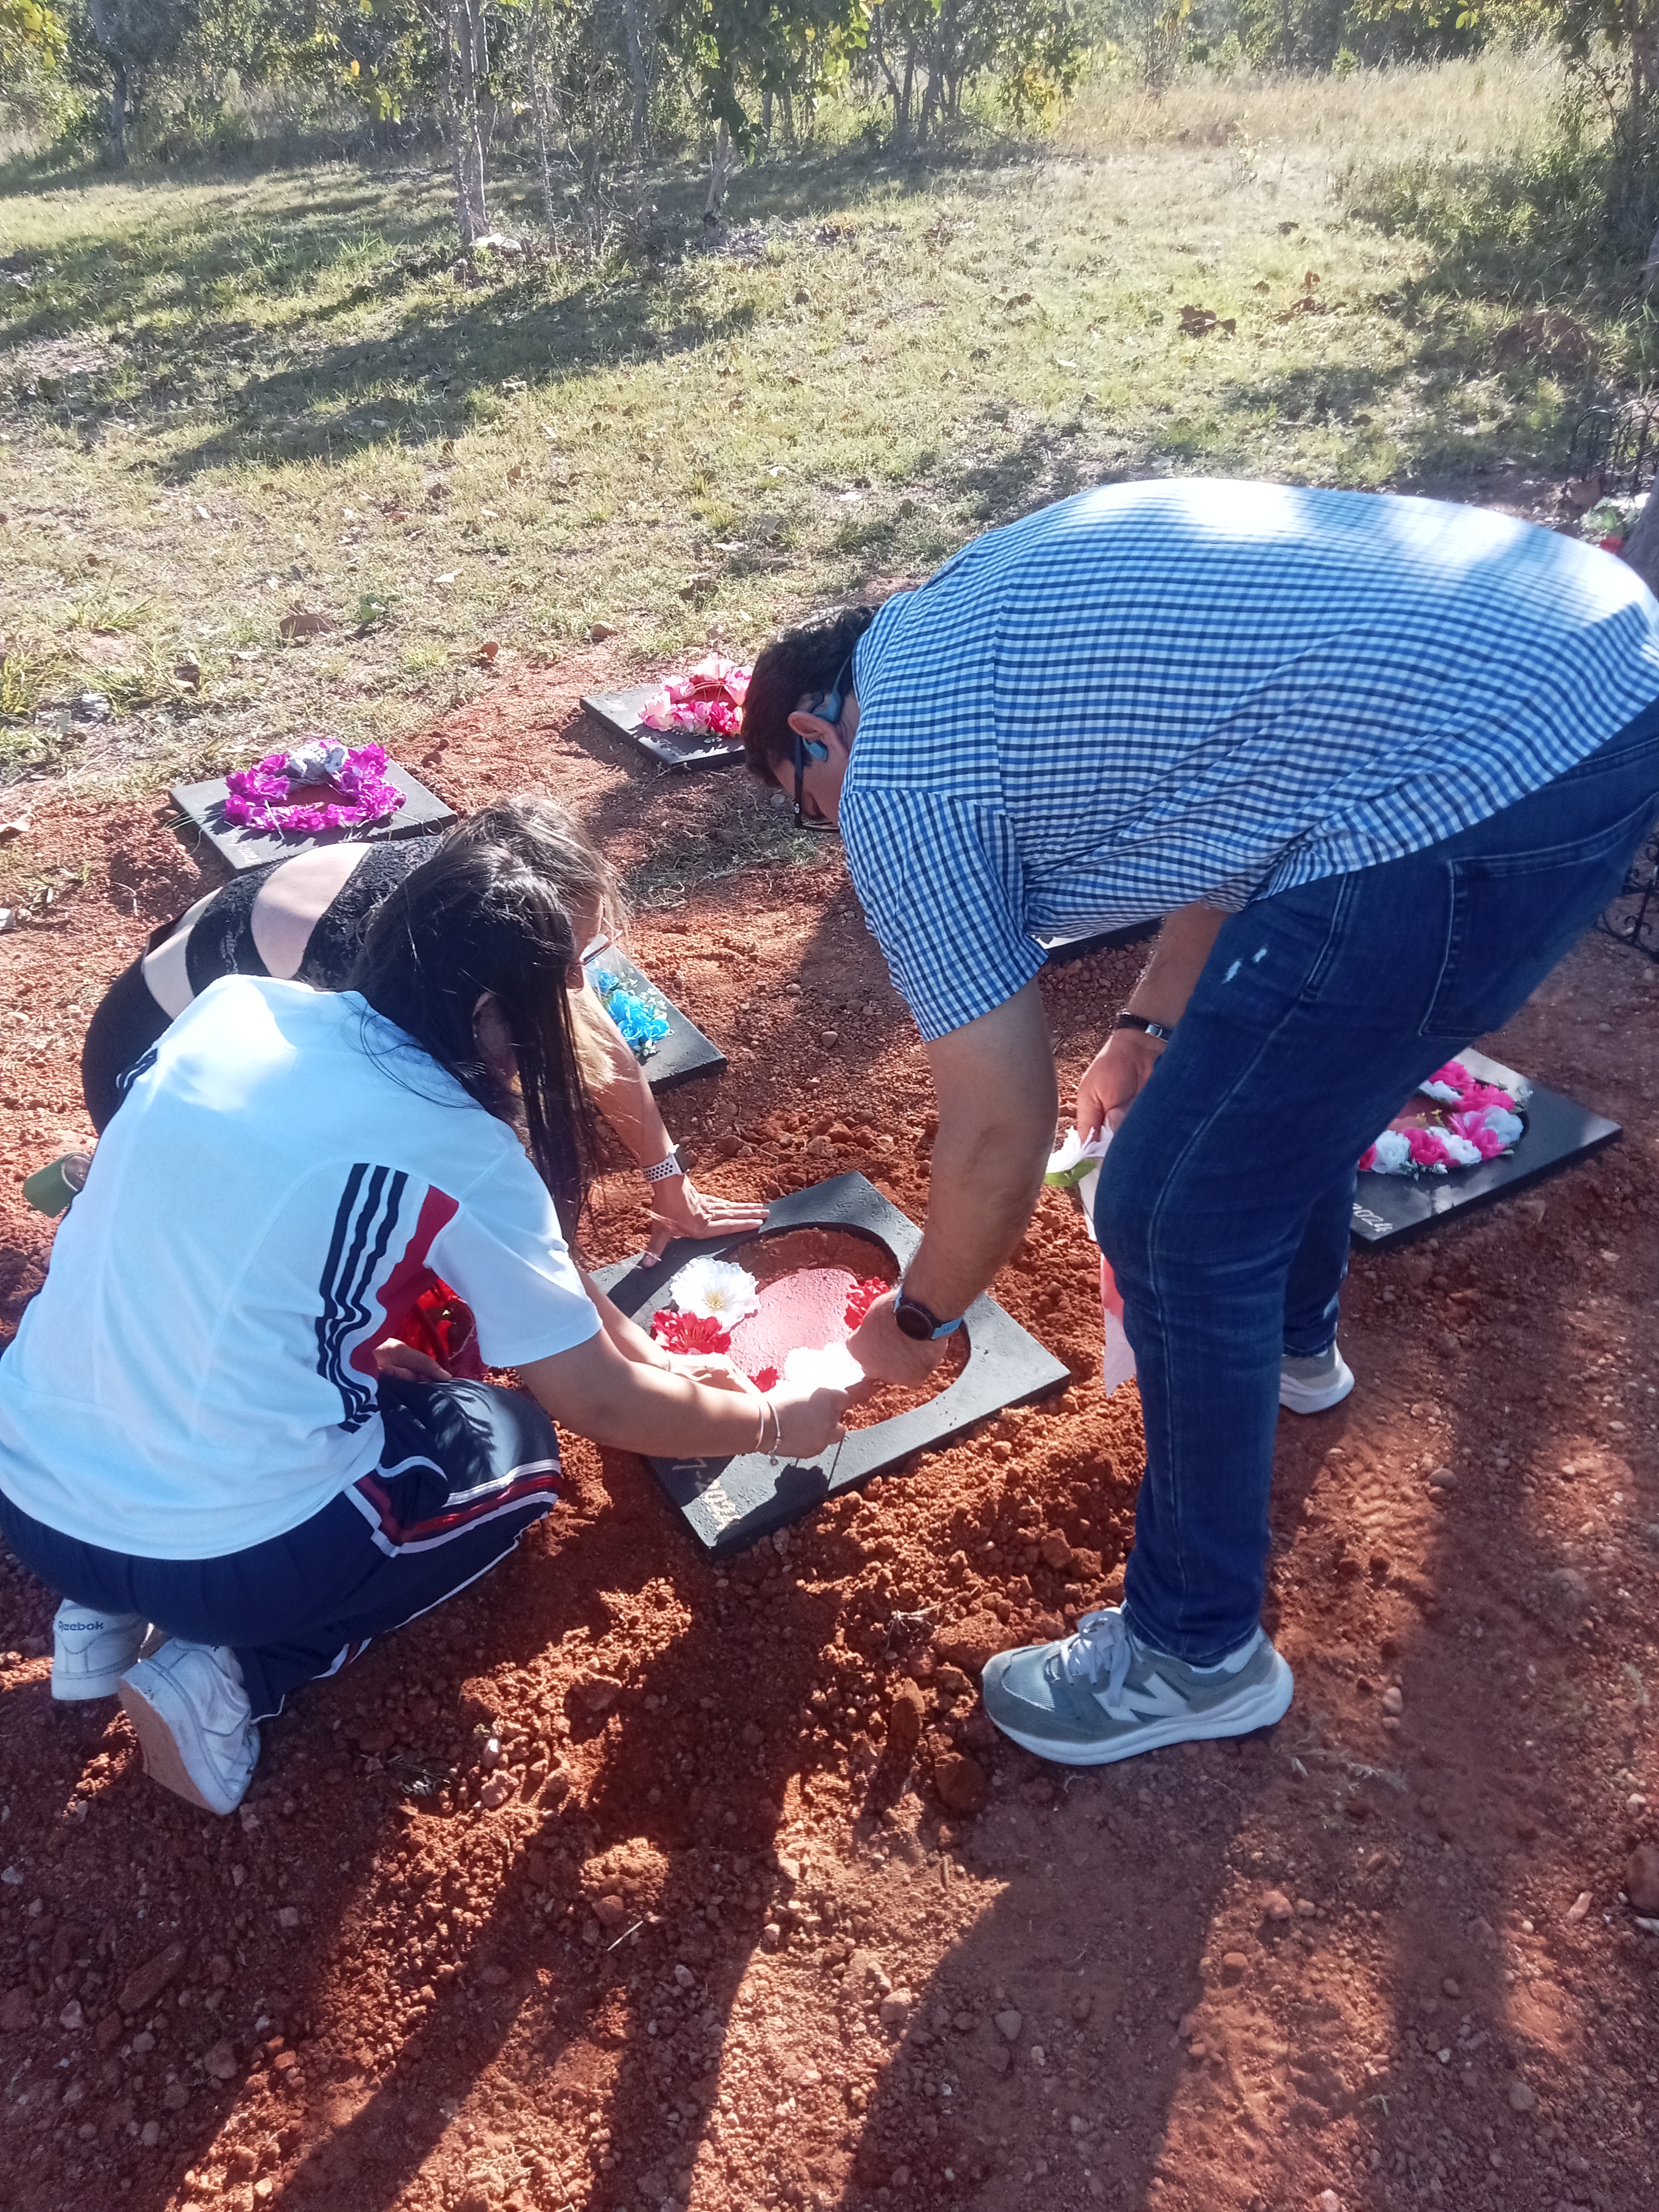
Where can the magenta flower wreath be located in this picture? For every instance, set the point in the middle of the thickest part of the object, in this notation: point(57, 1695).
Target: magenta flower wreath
point(261, 797)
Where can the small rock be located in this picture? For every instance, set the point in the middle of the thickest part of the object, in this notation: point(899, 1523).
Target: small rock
point(1277, 1905)
point(998, 2058)
point(1039, 2056)
point(221, 2061)
point(1328, 2201)
point(1392, 1700)
point(175, 2096)
point(218, 1970)
point(1443, 1478)
point(905, 1718)
point(145, 1983)
point(490, 1757)
point(72, 2017)
point(1081, 2008)
point(962, 1781)
point(1580, 1906)
point(951, 1682)
point(1234, 1965)
point(597, 1696)
point(1451, 1989)
point(1055, 1551)
point(1521, 2096)
point(16, 2011)
point(289, 1916)
point(771, 1936)
point(901, 2177)
point(827, 1038)
point(610, 1910)
point(1566, 1590)
point(969, 1642)
point(150, 2134)
point(600, 631)
point(1642, 1878)
point(896, 2008)
point(496, 1792)
point(1009, 2023)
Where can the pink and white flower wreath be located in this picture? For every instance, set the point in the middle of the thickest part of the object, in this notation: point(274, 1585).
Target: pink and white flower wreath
point(707, 701)
point(260, 797)
point(1477, 1122)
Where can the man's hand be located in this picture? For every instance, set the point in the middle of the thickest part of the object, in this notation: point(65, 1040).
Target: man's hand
point(1114, 1079)
point(395, 1358)
point(885, 1354)
point(680, 1209)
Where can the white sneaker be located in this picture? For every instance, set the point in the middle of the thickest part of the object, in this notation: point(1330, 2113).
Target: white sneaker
point(1314, 1386)
point(91, 1650)
point(195, 1725)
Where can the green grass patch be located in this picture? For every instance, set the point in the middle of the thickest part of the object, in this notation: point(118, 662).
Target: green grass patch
point(227, 398)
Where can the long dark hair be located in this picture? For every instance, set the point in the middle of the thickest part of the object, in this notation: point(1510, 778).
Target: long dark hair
point(497, 909)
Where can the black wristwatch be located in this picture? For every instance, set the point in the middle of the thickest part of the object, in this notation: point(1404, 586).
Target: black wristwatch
point(1148, 1028)
point(914, 1319)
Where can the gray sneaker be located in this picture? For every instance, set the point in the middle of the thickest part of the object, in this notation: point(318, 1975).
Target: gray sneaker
point(1314, 1386)
point(1103, 1695)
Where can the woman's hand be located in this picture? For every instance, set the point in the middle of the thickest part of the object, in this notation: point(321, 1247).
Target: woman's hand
point(397, 1358)
point(712, 1369)
point(1114, 1079)
point(808, 1421)
point(680, 1209)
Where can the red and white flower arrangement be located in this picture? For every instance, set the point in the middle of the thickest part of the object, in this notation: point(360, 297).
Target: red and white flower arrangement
point(707, 699)
point(711, 1296)
point(261, 797)
point(1464, 1121)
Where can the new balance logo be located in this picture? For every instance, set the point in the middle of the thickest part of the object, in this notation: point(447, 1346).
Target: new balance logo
point(1153, 1700)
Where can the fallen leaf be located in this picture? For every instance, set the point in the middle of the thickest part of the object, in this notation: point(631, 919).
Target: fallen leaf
point(298, 623)
point(488, 651)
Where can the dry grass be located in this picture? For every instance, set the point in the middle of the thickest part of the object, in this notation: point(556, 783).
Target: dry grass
point(231, 397)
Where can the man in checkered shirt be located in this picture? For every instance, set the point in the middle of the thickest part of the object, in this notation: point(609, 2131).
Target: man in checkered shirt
point(1377, 762)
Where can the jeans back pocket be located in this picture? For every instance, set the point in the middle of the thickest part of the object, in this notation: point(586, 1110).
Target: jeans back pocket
point(1513, 915)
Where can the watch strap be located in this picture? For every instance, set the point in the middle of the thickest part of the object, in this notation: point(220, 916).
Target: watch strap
point(1161, 1030)
point(935, 1327)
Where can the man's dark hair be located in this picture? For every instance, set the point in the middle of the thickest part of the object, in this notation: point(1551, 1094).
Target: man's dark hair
point(491, 911)
point(801, 661)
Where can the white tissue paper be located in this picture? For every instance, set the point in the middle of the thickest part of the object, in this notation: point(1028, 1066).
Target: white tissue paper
point(1075, 1166)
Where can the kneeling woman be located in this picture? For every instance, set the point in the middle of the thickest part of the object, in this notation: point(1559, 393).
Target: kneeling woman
point(198, 1426)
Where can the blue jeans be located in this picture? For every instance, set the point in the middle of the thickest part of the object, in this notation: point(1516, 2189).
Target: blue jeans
point(1225, 1200)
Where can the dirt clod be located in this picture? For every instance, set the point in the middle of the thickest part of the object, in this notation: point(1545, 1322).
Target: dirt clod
point(962, 1783)
point(145, 1983)
point(1642, 1878)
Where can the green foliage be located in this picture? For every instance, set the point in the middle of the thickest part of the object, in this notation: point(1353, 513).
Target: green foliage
point(30, 34)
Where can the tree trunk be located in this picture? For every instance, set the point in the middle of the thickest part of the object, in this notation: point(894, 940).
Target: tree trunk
point(766, 118)
point(722, 161)
point(543, 145)
point(469, 62)
point(636, 21)
point(119, 102)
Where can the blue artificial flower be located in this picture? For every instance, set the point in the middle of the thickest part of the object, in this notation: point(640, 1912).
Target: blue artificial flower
point(642, 1016)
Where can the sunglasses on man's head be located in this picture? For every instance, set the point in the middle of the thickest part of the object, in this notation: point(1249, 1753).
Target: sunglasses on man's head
point(828, 709)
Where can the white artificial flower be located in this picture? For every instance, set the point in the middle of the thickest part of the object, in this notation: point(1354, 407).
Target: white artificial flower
point(1394, 1153)
point(1463, 1153)
point(1508, 1128)
point(1442, 1092)
point(833, 1368)
point(1073, 1160)
point(718, 1289)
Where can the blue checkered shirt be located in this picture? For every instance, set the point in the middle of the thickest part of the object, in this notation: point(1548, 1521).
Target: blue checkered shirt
point(1158, 693)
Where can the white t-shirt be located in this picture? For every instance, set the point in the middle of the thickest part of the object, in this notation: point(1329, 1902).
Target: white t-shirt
point(196, 1374)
